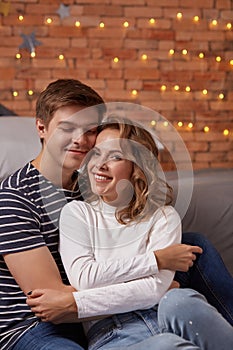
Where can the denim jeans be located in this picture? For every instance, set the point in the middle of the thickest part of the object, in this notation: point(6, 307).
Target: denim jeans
point(46, 336)
point(209, 276)
point(184, 318)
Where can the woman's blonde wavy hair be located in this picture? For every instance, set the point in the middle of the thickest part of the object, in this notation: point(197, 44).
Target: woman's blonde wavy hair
point(150, 192)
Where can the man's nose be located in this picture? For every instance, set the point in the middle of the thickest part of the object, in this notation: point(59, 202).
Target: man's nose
point(79, 136)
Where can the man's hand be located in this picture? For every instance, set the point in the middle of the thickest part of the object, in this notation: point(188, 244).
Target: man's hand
point(57, 306)
point(178, 257)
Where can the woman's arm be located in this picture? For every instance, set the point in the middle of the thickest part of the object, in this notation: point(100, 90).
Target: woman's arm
point(85, 272)
point(59, 306)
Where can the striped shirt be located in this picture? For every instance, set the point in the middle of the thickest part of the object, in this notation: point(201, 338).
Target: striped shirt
point(30, 207)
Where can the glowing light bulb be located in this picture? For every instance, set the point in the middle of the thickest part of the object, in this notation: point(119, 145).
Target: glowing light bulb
point(205, 92)
point(229, 25)
point(30, 92)
point(33, 54)
point(206, 129)
point(179, 15)
point(180, 124)
point(101, 25)
point(77, 24)
point(231, 62)
point(176, 88)
point(18, 56)
point(171, 52)
point(184, 52)
point(163, 88)
point(226, 132)
point(221, 96)
point(214, 22)
point(188, 89)
point(152, 21)
point(15, 93)
point(61, 57)
point(21, 18)
point(116, 59)
point(153, 123)
point(126, 24)
point(196, 18)
point(190, 125)
point(144, 57)
point(49, 20)
point(201, 55)
point(165, 124)
point(134, 92)
point(218, 59)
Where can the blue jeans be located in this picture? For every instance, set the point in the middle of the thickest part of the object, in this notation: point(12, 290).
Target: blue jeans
point(46, 336)
point(209, 276)
point(184, 320)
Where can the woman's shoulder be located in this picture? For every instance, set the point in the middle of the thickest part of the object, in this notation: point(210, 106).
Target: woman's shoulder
point(167, 212)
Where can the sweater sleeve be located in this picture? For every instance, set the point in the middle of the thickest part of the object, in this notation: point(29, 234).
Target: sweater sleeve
point(82, 269)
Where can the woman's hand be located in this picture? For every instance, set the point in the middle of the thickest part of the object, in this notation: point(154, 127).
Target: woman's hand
point(56, 306)
point(178, 257)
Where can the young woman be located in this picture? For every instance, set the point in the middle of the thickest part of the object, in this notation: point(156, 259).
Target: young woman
point(125, 215)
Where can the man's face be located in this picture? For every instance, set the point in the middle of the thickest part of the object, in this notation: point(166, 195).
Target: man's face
point(69, 137)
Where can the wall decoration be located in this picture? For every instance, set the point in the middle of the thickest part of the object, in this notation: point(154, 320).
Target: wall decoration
point(5, 8)
point(63, 11)
point(29, 42)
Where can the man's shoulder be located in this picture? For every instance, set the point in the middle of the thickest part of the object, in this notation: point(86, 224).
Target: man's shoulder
point(20, 183)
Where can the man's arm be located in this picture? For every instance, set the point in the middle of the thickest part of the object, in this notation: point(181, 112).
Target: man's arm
point(34, 268)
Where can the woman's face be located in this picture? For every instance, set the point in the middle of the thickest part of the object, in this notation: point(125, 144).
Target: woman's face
point(109, 171)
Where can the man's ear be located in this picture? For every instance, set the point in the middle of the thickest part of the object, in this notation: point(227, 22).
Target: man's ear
point(40, 126)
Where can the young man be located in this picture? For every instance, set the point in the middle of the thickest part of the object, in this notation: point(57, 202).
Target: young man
point(67, 114)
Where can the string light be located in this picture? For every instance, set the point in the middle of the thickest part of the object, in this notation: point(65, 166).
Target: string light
point(165, 124)
point(152, 21)
point(30, 92)
point(20, 18)
point(144, 57)
point(214, 22)
point(221, 96)
point(176, 87)
point(226, 132)
point(218, 59)
point(115, 59)
point(180, 124)
point(101, 25)
point(18, 56)
point(61, 57)
point(229, 25)
point(77, 24)
point(190, 125)
point(126, 24)
point(231, 62)
point(205, 92)
point(15, 93)
point(184, 52)
point(206, 129)
point(33, 54)
point(171, 52)
point(49, 20)
point(153, 123)
point(188, 89)
point(196, 18)
point(134, 92)
point(179, 15)
point(201, 55)
point(163, 88)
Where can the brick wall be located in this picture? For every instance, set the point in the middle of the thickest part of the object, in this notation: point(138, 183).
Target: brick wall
point(145, 62)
